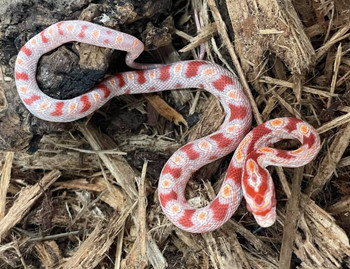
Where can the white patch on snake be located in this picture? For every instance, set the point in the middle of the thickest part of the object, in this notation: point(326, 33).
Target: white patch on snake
point(167, 183)
point(178, 159)
point(205, 145)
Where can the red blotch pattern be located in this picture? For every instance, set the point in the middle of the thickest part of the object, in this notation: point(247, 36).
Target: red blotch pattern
point(104, 88)
point(44, 39)
point(219, 210)
point(190, 152)
point(82, 31)
point(58, 109)
point(234, 173)
point(237, 112)
point(21, 76)
point(283, 154)
point(175, 172)
point(291, 125)
point(164, 73)
point(86, 103)
point(222, 82)
point(185, 220)
point(221, 140)
point(309, 140)
point(166, 197)
point(121, 80)
point(192, 68)
point(26, 51)
point(260, 131)
point(60, 31)
point(141, 77)
point(31, 99)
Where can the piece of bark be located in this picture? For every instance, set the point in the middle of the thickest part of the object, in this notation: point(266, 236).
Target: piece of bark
point(322, 243)
point(269, 25)
point(165, 110)
point(330, 161)
point(155, 37)
point(93, 249)
point(4, 182)
point(291, 220)
point(24, 202)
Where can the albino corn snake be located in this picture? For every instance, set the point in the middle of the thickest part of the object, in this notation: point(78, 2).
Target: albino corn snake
point(246, 173)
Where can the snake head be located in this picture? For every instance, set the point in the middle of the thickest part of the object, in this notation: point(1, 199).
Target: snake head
point(259, 191)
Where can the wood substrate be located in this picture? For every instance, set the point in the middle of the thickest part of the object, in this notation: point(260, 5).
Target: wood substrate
point(87, 197)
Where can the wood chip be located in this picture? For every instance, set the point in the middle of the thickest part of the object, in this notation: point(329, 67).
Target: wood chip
point(165, 110)
point(25, 200)
point(5, 181)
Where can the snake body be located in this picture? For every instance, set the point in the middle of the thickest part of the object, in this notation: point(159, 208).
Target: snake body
point(246, 174)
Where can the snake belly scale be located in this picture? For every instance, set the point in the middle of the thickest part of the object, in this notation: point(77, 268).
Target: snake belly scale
point(246, 174)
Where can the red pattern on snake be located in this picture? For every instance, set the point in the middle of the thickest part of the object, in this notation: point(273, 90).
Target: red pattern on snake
point(246, 174)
